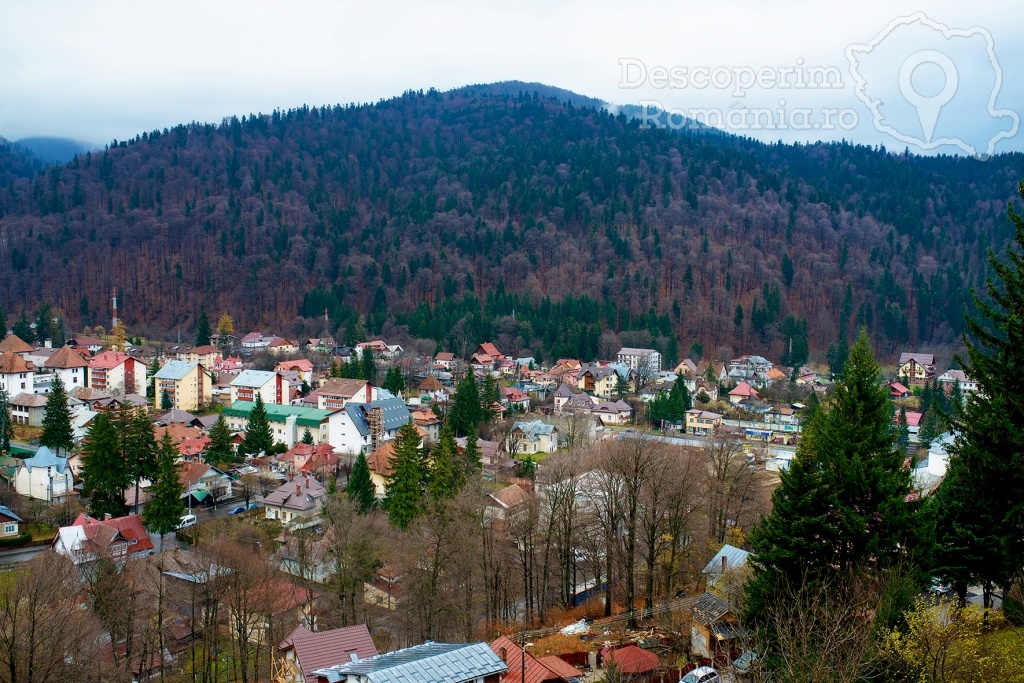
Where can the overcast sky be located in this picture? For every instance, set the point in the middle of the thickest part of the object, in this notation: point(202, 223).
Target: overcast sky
point(96, 71)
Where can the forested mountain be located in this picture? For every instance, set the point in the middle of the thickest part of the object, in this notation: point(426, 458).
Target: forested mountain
point(55, 150)
point(434, 208)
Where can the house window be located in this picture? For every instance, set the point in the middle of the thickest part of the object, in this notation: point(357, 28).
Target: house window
point(10, 528)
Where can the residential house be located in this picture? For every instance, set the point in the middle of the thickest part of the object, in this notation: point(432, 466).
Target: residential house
point(702, 422)
point(430, 386)
point(70, 366)
point(188, 385)
point(303, 366)
point(429, 422)
point(296, 502)
point(783, 415)
point(45, 476)
point(749, 366)
point(337, 393)
point(528, 438)
point(515, 399)
point(445, 360)
point(742, 392)
point(727, 572)
point(8, 523)
point(714, 628)
point(598, 380)
point(270, 385)
point(287, 423)
point(916, 368)
point(279, 346)
point(897, 390)
point(12, 343)
point(255, 341)
point(489, 349)
point(950, 378)
point(308, 559)
point(321, 345)
point(562, 395)
point(232, 365)
point(507, 504)
point(298, 456)
point(117, 373)
point(87, 397)
point(303, 652)
point(640, 360)
point(429, 662)
point(613, 412)
point(536, 670)
point(207, 355)
point(272, 605)
point(91, 344)
point(88, 539)
point(379, 463)
point(354, 431)
point(709, 389)
point(16, 374)
point(28, 409)
point(496, 465)
point(380, 349)
point(203, 483)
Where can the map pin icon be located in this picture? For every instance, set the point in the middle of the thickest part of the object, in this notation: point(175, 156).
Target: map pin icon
point(928, 106)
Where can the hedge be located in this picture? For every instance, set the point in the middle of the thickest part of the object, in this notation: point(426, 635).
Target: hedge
point(21, 539)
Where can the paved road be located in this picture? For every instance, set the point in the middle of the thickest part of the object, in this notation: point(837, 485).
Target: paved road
point(16, 555)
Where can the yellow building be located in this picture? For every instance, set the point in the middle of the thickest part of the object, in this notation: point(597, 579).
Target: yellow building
point(188, 385)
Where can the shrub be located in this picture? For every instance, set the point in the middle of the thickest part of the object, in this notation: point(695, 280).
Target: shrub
point(21, 539)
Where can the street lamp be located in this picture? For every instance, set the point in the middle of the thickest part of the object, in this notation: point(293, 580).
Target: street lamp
point(522, 675)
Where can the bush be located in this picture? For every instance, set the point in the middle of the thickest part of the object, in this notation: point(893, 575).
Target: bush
point(1013, 611)
point(21, 539)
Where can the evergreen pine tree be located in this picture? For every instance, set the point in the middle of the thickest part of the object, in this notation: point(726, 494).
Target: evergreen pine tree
point(105, 474)
point(843, 504)
point(6, 425)
point(165, 400)
point(258, 436)
point(23, 329)
point(151, 382)
point(445, 477)
point(679, 400)
point(203, 330)
point(140, 447)
point(621, 386)
point(902, 430)
point(490, 398)
point(360, 488)
point(57, 432)
point(368, 366)
point(221, 449)
point(3, 323)
point(394, 381)
point(404, 500)
point(307, 437)
point(471, 460)
point(465, 413)
point(166, 505)
point(980, 497)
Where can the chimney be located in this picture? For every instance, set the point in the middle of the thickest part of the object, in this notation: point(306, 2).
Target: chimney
point(106, 516)
point(723, 563)
point(298, 489)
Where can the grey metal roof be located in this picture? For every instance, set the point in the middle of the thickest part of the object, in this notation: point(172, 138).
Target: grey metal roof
point(252, 378)
point(44, 457)
point(734, 557)
point(394, 412)
point(175, 370)
point(426, 663)
point(533, 430)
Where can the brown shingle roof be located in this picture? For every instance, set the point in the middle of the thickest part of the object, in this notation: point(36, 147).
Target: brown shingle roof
point(320, 650)
point(11, 363)
point(380, 460)
point(12, 343)
point(66, 357)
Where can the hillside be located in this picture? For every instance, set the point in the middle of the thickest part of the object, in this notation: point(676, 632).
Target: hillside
point(55, 150)
point(410, 210)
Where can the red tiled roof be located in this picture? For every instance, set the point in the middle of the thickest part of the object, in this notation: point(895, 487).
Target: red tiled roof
point(490, 349)
point(511, 653)
point(560, 666)
point(11, 363)
point(898, 388)
point(12, 343)
point(108, 360)
point(66, 357)
point(103, 531)
point(302, 365)
point(633, 660)
point(380, 460)
point(204, 350)
point(743, 389)
point(320, 650)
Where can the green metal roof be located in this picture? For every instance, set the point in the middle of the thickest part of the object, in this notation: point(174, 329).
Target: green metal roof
point(306, 417)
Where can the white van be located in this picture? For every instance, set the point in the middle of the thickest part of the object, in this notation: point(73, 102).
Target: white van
point(187, 521)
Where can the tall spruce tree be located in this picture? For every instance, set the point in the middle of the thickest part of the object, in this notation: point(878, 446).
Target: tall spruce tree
point(843, 505)
point(151, 383)
point(58, 434)
point(465, 413)
point(307, 437)
point(139, 445)
point(404, 500)
point(980, 508)
point(165, 400)
point(368, 366)
point(105, 473)
point(23, 329)
point(221, 449)
point(471, 461)
point(394, 380)
point(445, 478)
point(6, 424)
point(258, 435)
point(360, 489)
point(166, 505)
point(203, 330)
point(490, 398)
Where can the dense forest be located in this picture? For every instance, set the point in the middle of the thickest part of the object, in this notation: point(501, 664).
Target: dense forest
point(487, 212)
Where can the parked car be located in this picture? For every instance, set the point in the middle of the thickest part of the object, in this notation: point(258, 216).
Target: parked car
point(187, 521)
point(237, 510)
point(939, 588)
point(744, 661)
point(702, 674)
